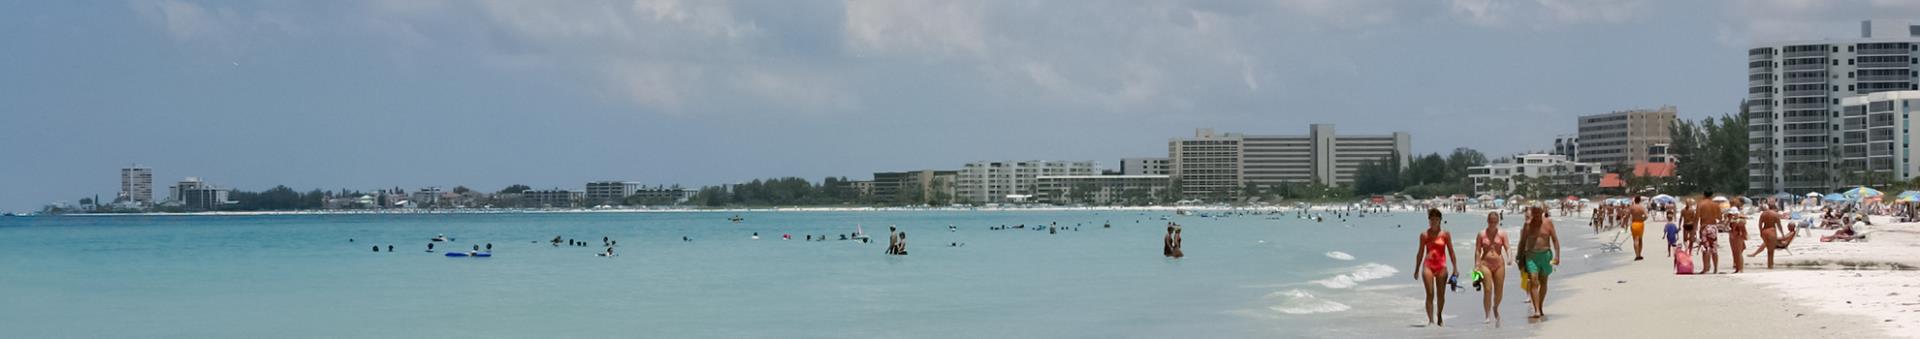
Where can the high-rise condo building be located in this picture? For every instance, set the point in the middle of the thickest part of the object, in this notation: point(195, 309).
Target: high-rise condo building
point(1010, 181)
point(1619, 140)
point(136, 185)
point(1211, 164)
point(1799, 138)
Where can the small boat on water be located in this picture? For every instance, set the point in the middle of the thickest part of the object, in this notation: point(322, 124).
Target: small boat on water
point(736, 219)
point(859, 234)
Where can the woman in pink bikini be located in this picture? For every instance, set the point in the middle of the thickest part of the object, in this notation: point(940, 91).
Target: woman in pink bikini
point(1432, 268)
point(1490, 248)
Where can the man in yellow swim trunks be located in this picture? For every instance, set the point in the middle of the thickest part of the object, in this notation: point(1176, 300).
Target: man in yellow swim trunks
point(1638, 212)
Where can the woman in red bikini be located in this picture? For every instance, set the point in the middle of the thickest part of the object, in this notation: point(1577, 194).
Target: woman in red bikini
point(1432, 269)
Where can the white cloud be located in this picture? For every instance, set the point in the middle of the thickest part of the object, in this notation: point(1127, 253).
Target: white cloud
point(932, 28)
point(1546, 13)
point(226, 30)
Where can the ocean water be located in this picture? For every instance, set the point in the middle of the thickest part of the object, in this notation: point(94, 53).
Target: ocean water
point(301, 277)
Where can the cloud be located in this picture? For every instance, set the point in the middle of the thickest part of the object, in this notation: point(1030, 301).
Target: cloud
point(1546, 13)
point(917, 27)
point(223, 29)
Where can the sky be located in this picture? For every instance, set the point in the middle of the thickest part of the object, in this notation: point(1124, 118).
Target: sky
point(411, 93)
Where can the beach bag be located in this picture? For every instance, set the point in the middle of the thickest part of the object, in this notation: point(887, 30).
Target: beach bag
point(1682, 262)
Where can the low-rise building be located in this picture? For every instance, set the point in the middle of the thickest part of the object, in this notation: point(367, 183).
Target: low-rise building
point(1146, 166)
point(425, 197)
point(659, 195)
point(1503, 176)
point(550, 198)
point(1101, 189)
point(196, 195)
point(1008, 181)
point(610, 192)
point(930, 185)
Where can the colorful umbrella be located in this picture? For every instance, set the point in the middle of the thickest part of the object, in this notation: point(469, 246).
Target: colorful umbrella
point(1862, 193)
point(1664, 199)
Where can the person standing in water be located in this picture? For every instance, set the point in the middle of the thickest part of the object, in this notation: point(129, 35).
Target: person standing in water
point(1177, 242)
point(1490, 248)
point(1432, 258)
point(1638, 214)
point(899, 246)
point(1539, 253)
point(1166, 245)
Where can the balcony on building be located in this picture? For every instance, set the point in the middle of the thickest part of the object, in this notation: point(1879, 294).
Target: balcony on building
point(1884, 64)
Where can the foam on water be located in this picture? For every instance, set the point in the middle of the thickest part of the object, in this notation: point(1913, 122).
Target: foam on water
point(1357, 274)
point(1300, 302)
point(1338, 255)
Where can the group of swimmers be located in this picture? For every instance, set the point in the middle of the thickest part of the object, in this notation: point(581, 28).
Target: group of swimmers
point(1537, 255)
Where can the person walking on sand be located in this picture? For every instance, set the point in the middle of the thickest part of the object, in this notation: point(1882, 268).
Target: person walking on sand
point(1737, 235)
point(1435, 243)
point(1638, 213)
point(1490, 248)
point(1770, 237)
point(1710, 215)
point(1539, 253)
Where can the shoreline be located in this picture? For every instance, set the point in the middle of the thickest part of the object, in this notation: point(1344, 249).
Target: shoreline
point(699, 210)
point(1806, 295)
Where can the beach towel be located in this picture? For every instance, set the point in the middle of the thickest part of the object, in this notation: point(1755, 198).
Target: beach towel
point(1682, 262)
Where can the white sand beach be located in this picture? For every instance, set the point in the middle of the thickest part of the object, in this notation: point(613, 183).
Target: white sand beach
point(1819, 290)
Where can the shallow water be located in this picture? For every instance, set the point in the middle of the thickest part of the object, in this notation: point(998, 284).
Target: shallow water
point(299, 276)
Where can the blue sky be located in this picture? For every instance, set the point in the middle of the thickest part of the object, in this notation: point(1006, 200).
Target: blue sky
point(367, 94)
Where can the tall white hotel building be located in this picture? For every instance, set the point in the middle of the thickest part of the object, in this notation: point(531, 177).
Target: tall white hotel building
point(1812, 126)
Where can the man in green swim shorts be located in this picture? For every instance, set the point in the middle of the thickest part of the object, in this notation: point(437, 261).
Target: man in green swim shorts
point(1538, 245)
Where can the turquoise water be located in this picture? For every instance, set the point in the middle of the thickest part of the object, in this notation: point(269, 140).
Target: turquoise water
point(299, 276)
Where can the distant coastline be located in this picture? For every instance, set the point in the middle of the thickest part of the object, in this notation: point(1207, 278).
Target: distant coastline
point(693, 210)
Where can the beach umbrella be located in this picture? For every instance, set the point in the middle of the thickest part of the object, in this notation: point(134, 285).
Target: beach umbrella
point(1862, 193)
point(1664, 199)
point(1573, 198)
point(1813, 194)
point(1834, 198)
point(1784, 196)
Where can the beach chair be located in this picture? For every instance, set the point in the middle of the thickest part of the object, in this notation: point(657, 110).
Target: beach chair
point(1619, 238)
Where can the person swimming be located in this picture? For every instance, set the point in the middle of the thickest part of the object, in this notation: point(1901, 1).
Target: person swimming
point(376, 249)
point(429, 247)
point(489, 247)
point(389, 248)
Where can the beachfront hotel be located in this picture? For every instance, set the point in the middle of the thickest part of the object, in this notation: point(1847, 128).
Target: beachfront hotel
point(1800, 140)
point(1498, 176)
point(1099, 189)
point(887, 186)
point(1011, 181)
point(1619, 140)
point(610, 192)
point(1221, 163)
